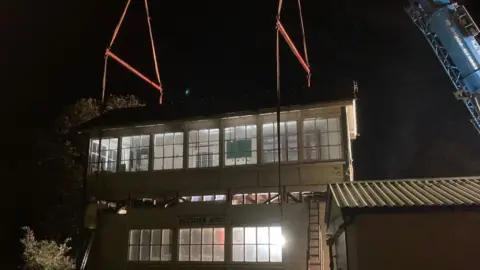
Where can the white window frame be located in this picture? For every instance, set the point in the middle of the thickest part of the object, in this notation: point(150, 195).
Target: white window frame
point(93, 151)
point(135, 166)
point(140, 247)
point(175, 146)
point(318, 135)
point(253, 150)
point(242, 245)
point(213, 149)
point(201, 245)
point(285, 145)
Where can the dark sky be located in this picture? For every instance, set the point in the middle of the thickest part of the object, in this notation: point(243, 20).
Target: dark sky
point(408, 117)
point(410, 124)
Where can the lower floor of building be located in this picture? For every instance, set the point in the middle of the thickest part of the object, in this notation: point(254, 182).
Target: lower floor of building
point(213, 236)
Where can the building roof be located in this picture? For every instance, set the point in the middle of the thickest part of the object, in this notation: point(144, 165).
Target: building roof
point(408, 192)
point(195, 107)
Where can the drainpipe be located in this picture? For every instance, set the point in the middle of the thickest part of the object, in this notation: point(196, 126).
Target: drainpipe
point(331, 240)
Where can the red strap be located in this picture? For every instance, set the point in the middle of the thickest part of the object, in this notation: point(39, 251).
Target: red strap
point(292, 47)
point(132, 69)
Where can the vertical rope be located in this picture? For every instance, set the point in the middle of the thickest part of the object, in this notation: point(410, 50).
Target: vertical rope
point(280, 191)
point(153, 50)
point(279, 10)
point(303, 33)
point(309, 75)
point(104, 80)
point(119, 24)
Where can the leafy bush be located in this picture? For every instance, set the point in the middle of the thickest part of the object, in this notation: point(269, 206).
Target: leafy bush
point(45, 254)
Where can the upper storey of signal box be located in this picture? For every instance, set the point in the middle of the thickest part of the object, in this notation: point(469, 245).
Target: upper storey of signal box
point(220, 148)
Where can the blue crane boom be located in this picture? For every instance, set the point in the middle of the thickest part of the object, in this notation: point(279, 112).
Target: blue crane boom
point(451, 32)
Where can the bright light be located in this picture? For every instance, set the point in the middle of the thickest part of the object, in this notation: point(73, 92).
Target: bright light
point(276, 236)
point(122, 211)
point(280, 241)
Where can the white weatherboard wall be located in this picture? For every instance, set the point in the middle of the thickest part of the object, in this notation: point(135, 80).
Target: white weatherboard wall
point(114, 233)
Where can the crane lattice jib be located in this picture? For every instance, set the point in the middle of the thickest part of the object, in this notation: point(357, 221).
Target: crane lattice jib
point(451, 32)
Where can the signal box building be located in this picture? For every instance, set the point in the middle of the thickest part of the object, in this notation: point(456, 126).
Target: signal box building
point(188, 191)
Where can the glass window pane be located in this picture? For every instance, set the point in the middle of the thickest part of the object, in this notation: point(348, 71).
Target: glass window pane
point(262, 253)
point(220, 197)
point(250, 198)
point(166, 253)
point(145, 141)
point(334, 138)
point(238, 253)
point(208, 198)
point(184, 236)
point(237, 199)
point(134, 238)
point(308, 126)
point(262, 198)
point(250, 253)
point(321, 125)
point(195, 253)
point(333, 124)
point(145, 237)
point(218, 253)
point(250, 235)
point(219, 236)
point(155, 253)
point(207, 252)
point(335, 152)
point(166, 237)
point(184, 253)
point(156, 237)
point(275, 253)
point(196, 237)
point(133, 252)
point(275, 234)
point(179, 138)
point(207, 236)
point(144, 253)
point(262, 235)
point(238, 236)
point(159, 139)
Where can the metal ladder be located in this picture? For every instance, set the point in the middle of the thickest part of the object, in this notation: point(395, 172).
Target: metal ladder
point(86, 255)
point(315, 250)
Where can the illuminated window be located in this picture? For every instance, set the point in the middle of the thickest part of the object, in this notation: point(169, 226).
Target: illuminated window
point(257, 244)
point(322, 140)
point(288, 142)
point(203, 148)
point(150, 245)
point(135, 150)
point(255, 198)
point(108, 155)
point(201, 244)
point(241, 145)
point(168, 151)
point(204, 198)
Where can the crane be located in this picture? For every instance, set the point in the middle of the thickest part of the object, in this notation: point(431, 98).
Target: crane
point(452, 34)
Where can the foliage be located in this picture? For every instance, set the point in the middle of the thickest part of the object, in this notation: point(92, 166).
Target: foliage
point(86, 109)
point(45, 254)
point(57, 162)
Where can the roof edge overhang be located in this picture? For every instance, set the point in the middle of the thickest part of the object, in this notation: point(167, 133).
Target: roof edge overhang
point(88, 127)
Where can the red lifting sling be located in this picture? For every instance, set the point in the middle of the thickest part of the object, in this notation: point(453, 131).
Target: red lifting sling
point(109, 53)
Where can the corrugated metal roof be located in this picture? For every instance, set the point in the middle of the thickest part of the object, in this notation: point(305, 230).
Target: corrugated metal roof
point(408, 192)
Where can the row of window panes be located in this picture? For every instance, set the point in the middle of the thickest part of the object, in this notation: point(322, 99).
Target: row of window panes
point(255, 198)
point(204, 198)
point(249, 244)
point(322, 141)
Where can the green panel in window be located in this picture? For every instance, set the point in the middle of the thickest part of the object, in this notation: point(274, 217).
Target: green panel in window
point(239, 149)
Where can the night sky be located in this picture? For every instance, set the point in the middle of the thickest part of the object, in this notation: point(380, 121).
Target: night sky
point(409, 122)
